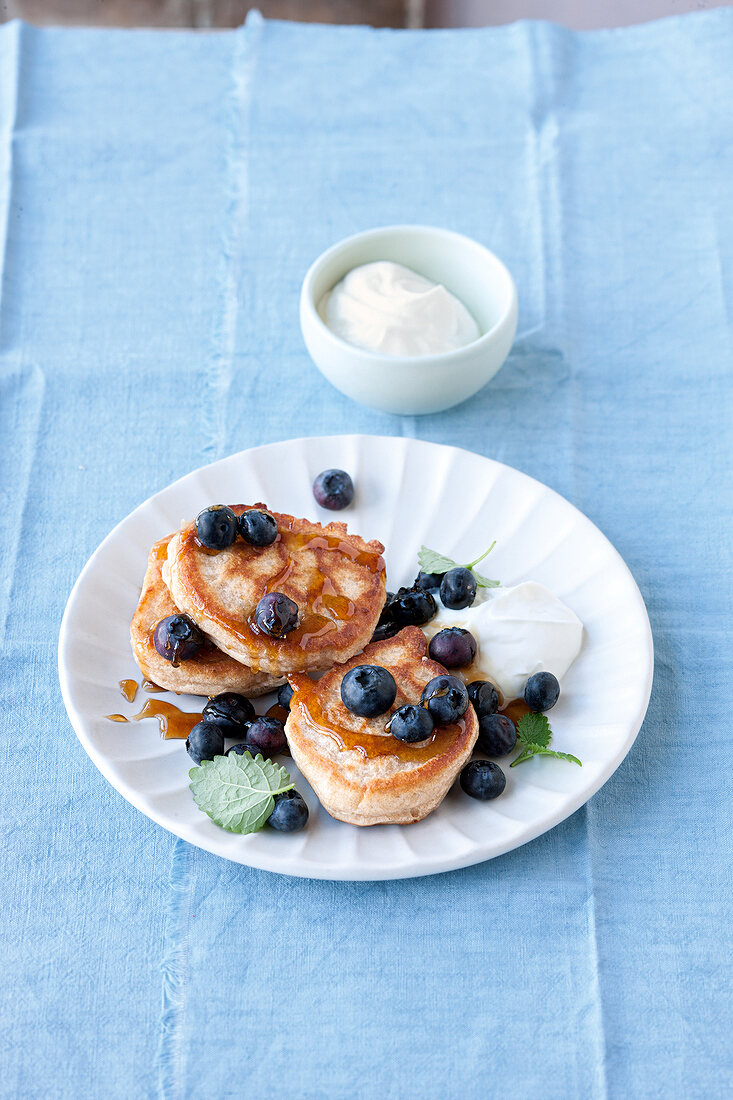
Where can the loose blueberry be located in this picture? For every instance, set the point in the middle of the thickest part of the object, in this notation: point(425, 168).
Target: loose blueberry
point(216, 527)
point(542, 691)
point(276, 614)
point(257, 528)
point(266, 735)
point(412, 608)
point(446, 698)
point(497, 734)
point(453, 647)
point(239, 750)
point(205, 741)
point(290, 813)
point(333, 489)
point(410, 723)
point(458, 588)
point(284, 695)
point(484, 697)
point(368, 690)
point(483, 779)
point(231, 711)
point(177, 638)
point(425, 582)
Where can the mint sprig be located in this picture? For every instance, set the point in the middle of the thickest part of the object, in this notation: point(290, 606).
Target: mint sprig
point(534, 735)
point(237, 792)
point(430, 561)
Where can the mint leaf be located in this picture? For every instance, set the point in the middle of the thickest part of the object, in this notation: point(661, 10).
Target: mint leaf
point(534, 735)
point(430, 561)
point(484, 582)
point(534, 729)
point(481, 557)
point(525, 754)
point(237, 791)
point(558, 755)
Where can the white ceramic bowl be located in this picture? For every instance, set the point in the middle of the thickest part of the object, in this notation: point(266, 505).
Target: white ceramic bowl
point(421, 383)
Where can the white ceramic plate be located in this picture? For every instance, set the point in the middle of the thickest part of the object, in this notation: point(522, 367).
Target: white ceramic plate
point(407, 493)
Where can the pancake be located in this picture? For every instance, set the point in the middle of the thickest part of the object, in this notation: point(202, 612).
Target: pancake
point(210, 671)
point(360, 772)
point(336, 579)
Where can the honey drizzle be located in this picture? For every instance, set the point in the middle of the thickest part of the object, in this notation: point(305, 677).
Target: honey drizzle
point(327, 607)
point(129, 689)
point(172, 721)
point(373, 745)
point(516, 709)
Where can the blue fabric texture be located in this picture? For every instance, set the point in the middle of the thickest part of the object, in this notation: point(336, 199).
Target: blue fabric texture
point(161, 196)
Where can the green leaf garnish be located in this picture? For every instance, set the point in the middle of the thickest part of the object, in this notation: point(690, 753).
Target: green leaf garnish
point(482, 556)
point(534, 729)
point(237, 792)
point(534, 736)
point(430, 561)
point(484, 582)
point(558, 756)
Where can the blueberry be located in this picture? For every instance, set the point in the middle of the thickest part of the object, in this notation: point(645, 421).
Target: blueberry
point(386, 626)
point(410, 723)
point(290, 813)
point(497, 734)
point(266, 735)
point(216, 527)
point(368, 690)
point(458, 588)
point(231, 711)
point(484, 697)
point(385, 630)
point(257, 528)
point(424, 582)
point(239, 750)
point(276, 614)
point(177, 638)
point(446, 698)
point(284, 695)
point(205, 741)
point(412, 608)
point(453, 647)
point(483, 779)
point(542, 691)
point(386, 613)
point(333, 489)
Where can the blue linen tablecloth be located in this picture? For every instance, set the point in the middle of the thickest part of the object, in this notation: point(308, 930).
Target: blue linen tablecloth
point(161, 195)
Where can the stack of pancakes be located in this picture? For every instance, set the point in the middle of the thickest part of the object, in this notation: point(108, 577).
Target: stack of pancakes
point(360, 772)
point(337, 580)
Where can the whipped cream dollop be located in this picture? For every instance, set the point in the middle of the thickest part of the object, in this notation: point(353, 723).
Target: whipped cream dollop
point(518, 631)
point(388, 308)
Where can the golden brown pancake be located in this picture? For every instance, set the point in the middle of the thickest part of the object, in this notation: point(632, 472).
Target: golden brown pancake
point(210, 671)
point(359, 771)
point(336, 579)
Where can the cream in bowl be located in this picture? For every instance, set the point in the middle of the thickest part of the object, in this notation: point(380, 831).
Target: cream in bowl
point(408, 318)
point(388, 308)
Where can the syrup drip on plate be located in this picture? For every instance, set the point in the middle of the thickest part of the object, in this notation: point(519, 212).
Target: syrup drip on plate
point(172, 721)
point(129, 689)
point(516, 709)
